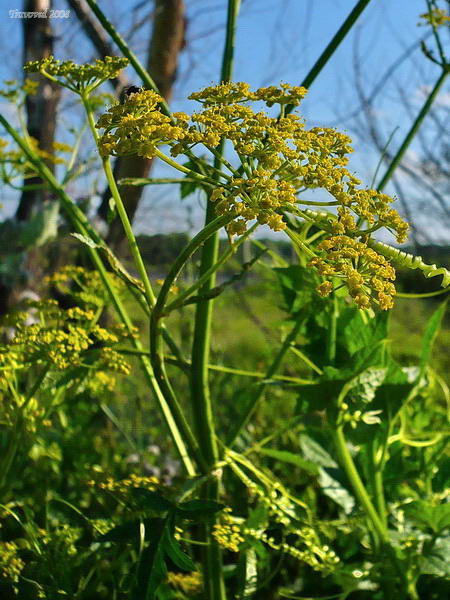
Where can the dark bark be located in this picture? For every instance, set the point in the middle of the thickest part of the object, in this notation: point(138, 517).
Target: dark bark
point(41, 108)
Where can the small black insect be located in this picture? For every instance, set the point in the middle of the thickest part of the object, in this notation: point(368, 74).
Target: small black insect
point(127, 92)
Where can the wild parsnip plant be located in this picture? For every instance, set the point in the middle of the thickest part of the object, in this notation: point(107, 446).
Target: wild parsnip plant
point(342, 493)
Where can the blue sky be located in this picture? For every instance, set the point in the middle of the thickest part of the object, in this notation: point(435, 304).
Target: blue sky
point(277, 40)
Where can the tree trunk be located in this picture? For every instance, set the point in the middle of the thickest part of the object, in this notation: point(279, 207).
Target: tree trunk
point(41, 107)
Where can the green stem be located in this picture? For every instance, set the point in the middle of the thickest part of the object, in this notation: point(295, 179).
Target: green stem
point(412, 132)
point(200, 392)
point(332, 330)
point(377, 482)
point(357, 484)
point(178, 167)
point(83, 226)
point(141, 181)
point(156, 345)
point(184, 364)
point(332, 46)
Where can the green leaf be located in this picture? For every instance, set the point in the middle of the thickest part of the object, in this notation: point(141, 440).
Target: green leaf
point(84, 239)
point(126, 532)
point(291, 458)
point(42, 228)
point(437, 561)
point(437, 518)
point(432, 329)
point(191, 485)
point(356, 332)
point(176, 554)
point(298, 287)
point(335, 490)
point(198, 509)
point(328, 473)
point(314, 452)
point(363, 387)
point(149, 500)
point(152, 570)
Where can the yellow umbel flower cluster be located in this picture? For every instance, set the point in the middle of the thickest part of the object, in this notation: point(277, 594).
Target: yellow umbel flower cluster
point(436, 17)
point(63, 337)
point(16, 92)
point(227, 532)
point(137, 126)
point(78, 77)
point(280, 159)
point(123, 485)
point(84, 286)
point(365, 272)
point(229, 93)
point(11, 565)
point(189, 584)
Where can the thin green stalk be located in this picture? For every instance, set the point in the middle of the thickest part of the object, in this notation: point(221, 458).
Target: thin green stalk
point(253, 403)
point(357, 484)
point(378, 486)
point(332, 46)
point(332, 331)
point(179, 300)
point(414, 129)
point(141, 181)
point(198, 176)
point(223, 369)
point(83, 226)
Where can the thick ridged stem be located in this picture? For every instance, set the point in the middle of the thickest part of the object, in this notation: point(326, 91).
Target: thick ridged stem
point(200, 392)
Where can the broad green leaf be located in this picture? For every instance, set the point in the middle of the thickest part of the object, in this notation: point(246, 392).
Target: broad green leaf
point(363, 387)
point(298, 287)
point(198, 509)
point(432, 329)
point(328, 472)
point(42, 228)
point(437, 518)
point(437, 561)
point(336, 491)
point(152, 570)
point(356, 332)
point(125, 532)
point(176, 554)
point(314, 452)
point(148, 500)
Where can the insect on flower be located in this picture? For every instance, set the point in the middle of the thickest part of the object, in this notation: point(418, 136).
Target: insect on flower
point(129, 91)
